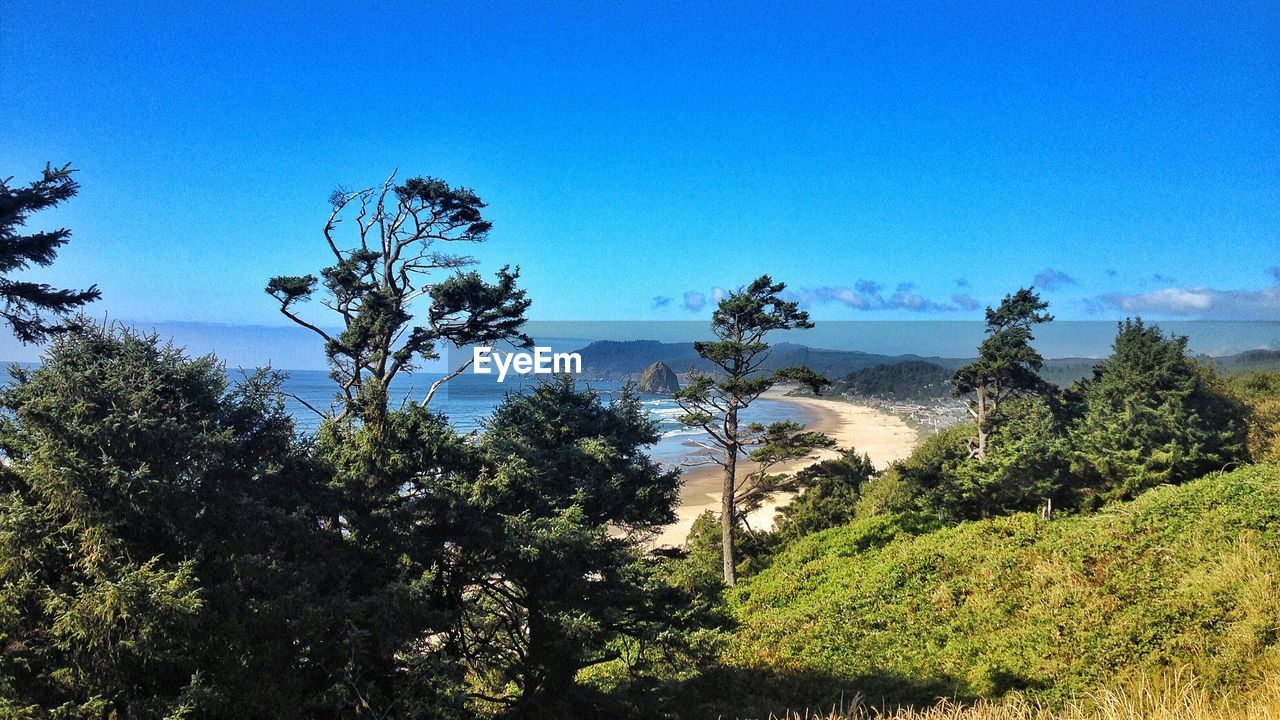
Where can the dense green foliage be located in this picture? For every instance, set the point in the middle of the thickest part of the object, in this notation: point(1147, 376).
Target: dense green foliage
point(147, 508)
point(1151, 415)
point(1024, 469)
point(830, 491)
point(1185, 574)
point(499, 549)
point(1260, 393)
point(23, 301)
point(169, 548)
point(914, 380)
point(558, 593)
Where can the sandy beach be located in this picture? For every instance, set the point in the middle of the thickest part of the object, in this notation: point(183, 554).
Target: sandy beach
point(881, 435)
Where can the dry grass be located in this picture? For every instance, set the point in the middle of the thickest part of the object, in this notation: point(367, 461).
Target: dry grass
point(1178, 698)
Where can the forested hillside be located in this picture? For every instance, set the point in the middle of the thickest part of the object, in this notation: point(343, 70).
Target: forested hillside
point(914, 380)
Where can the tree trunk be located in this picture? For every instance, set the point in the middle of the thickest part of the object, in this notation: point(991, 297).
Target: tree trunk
point(727, 522)
point(980, 451)
point(728, 516)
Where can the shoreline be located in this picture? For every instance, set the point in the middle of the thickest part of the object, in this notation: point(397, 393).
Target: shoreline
point(883, 436)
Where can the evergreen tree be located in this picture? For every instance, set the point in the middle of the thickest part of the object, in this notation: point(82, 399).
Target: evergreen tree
point(1152, 415)
point(1025, 468)
point(25, 301)
point(558, 575)
point(830, 491)
point(160, 546)
point(404, 505)
point(1006, 366)
point(714, 401)
point(401, 479)
point(402, 234)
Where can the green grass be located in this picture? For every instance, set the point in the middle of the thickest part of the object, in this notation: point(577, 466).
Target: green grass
point(1182, 578)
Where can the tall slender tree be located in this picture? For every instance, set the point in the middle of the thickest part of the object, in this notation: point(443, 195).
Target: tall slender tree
point(26, 301)
point(714, 401)
point(1006, 366)
point(401, 236)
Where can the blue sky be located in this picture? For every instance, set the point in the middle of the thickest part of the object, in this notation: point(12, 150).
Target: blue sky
point(886, 160)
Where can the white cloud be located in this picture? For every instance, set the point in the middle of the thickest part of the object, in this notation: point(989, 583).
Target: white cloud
point(868, 295)
point(1200, 302)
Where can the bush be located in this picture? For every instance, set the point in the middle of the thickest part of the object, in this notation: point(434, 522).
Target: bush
point(885, 494)
point(829, 498)
point(1260, 393)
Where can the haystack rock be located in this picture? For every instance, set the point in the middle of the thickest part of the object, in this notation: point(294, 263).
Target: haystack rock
point(658, 379)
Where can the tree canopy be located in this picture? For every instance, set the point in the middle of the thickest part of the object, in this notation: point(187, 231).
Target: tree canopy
point(1152, 414)
point(400, 244)
point(159, 543)
point(1006, 364)
point(26, 302)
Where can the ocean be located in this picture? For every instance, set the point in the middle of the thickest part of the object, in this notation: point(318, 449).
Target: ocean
point(469, 399)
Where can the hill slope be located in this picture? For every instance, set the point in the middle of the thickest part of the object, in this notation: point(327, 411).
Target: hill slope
point(908, 380)
point(1184, 575)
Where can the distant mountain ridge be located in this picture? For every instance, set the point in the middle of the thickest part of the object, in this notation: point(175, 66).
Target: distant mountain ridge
point(619, 360)
point(857, 372)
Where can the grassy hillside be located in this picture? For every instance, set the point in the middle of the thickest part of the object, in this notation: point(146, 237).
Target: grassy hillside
point(1180, 697)
point(1182, 578)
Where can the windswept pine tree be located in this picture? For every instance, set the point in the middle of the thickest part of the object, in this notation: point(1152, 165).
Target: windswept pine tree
point(25, 302)
point(713, 402)
point(399, 251)
point(486, 571)
point(1006, 366)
